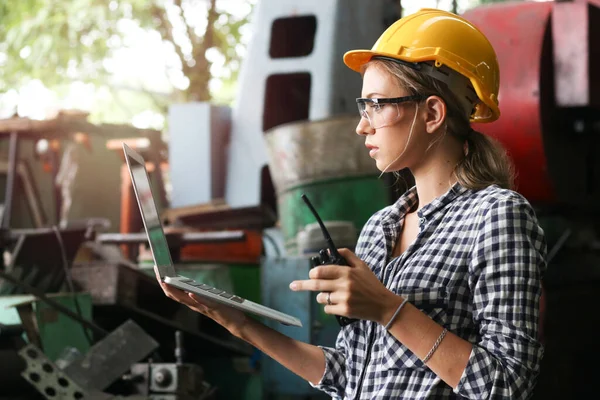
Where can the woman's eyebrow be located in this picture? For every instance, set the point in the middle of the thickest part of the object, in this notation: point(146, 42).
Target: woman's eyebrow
point(373, 94)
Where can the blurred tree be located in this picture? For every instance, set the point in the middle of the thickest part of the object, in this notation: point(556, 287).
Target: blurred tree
point(60, 41)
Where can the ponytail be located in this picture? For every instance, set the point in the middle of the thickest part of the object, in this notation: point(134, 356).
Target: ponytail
point(485, 163)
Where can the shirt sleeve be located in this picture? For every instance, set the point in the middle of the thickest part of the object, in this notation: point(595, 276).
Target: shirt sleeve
point(505, 280)
point(334, 379)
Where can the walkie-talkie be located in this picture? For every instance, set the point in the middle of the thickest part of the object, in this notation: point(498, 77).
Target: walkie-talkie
point(331, 257)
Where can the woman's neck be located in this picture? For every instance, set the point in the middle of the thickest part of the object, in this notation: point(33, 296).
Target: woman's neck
point(435, 175)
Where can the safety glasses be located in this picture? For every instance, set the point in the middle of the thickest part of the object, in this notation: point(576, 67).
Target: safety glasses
point(384, 111)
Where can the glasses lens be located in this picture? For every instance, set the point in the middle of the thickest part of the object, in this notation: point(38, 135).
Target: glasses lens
point(379, 115)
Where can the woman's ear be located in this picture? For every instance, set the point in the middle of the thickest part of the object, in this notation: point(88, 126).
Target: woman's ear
point(435, 113)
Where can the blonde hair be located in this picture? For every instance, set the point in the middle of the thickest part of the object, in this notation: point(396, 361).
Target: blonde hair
point(486, 161)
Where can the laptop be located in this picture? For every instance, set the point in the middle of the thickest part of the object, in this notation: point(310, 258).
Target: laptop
point(162, 256)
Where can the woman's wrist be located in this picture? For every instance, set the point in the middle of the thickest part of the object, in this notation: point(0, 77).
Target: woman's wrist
point(238, 328)
point(389, 308)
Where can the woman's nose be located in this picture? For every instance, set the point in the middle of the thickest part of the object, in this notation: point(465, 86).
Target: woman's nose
point(363, 127)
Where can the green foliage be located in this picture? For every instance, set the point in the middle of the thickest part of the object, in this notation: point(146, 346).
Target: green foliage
point(54, 41)
point(59, 41)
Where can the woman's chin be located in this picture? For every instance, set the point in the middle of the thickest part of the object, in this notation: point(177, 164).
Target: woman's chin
point(384, 166)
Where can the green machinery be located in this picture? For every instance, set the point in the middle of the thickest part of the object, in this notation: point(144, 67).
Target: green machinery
point(329, 163)
point(46, 327)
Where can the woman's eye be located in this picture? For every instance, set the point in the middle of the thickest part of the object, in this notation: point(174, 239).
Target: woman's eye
point(376, 106)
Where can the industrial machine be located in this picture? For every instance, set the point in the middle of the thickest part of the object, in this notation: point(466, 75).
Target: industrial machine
point(294, 93)
point(550, 103)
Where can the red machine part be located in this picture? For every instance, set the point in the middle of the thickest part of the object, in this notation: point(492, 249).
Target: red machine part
point(549, 96)
point(516, 30)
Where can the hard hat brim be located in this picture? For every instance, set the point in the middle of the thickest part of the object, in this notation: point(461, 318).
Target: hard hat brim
point(355, 59)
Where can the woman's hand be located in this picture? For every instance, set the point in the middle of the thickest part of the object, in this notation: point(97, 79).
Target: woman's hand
point(230, 318)
point(351, 291)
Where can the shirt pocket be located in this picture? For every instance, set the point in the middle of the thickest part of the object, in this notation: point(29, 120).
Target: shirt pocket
point(431, 301)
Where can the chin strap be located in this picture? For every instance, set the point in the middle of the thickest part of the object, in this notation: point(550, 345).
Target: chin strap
point(407, 142)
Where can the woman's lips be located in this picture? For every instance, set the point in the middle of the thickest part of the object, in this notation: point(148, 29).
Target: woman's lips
point(372, 150)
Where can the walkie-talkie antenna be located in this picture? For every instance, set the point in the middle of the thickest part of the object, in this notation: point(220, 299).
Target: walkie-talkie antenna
point(328, 239)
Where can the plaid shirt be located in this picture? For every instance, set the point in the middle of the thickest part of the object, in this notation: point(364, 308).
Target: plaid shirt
point(474, 268)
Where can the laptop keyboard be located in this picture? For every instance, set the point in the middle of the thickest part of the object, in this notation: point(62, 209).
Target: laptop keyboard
point(211, 289)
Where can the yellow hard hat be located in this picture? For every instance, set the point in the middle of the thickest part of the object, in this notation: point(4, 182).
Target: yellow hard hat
point(446, 39)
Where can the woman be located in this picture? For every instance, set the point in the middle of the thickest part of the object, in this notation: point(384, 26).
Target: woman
point(445, 283)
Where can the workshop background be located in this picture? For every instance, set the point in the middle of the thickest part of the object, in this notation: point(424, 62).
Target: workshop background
point(239, 107)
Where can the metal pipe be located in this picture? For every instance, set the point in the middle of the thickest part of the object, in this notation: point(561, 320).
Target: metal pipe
point(13, 147)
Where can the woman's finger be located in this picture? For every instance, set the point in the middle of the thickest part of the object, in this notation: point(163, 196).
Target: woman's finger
point(197, 304)
point(165, 288)
point(178, 295)
point(350, 257)
point(327, 272)
point(315, 285)
point(328, 298)
point(337, 309)
point(203, 300)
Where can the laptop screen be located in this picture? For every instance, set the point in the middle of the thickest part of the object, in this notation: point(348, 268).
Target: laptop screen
point(154, 229)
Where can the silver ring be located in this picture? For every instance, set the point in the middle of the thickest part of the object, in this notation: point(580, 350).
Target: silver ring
point(329, 298)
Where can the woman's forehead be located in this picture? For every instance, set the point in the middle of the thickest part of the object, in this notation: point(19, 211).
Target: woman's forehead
point(379, 81)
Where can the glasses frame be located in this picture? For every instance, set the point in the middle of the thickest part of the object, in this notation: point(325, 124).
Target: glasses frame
point(384, 100)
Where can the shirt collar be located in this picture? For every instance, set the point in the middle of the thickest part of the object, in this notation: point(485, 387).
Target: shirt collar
point(410, 199)
point(440, 202)
point(401, 207)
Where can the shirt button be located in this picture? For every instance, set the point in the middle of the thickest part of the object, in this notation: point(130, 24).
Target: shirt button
point(422, 221)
